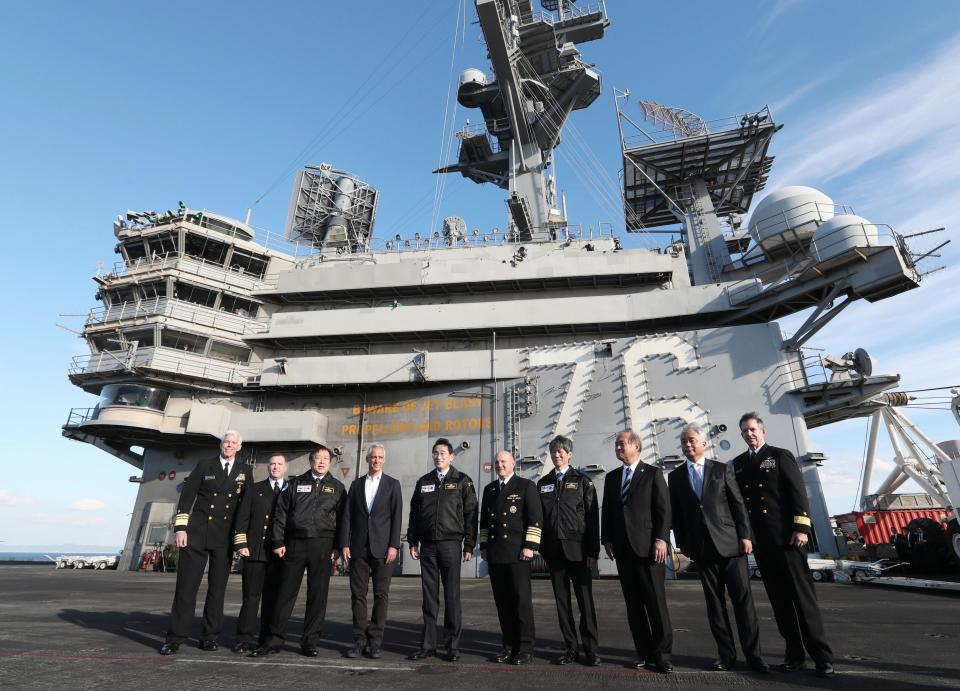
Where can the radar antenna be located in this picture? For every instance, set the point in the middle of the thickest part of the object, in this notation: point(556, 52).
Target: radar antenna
point(681, 122)
point(538, 81)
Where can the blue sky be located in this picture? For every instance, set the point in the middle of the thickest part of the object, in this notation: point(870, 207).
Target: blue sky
point(117, 105)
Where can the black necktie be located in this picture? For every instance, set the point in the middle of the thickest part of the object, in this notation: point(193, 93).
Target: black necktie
point(276, 488)
point(226, 468)
point(559, 482)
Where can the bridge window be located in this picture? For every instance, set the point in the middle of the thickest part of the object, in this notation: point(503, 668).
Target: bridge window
point(180, 340)
point(248, 262)
point(134, 250)
point(133, 395)
point(194, 294)
point(239, 306)
point(204, 249)
point(163, 245)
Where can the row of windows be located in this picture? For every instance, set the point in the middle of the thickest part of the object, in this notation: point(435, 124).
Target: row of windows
point(172, 338)
point(197, 247)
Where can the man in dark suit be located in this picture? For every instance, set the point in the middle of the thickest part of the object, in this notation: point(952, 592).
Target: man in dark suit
point(712, 528)
point(370, 535)
point(510, 531)
point(442, 527)
point(571, 546)
point(261, 567)
point(635, 526)
point(304, 536)
point(772, 486)
point(203, 526)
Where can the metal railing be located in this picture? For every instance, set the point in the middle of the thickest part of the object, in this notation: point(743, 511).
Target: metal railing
point(494, 237)
point(188, 265)
point(163, 359)
point(77, 416)
point(818, 250)
point(177, 309)
point(570, 11)
point(726, 124)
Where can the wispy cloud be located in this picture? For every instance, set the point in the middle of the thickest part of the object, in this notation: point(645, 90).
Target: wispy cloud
point(87, 505)
point(904, 109)
point(774, 10)
point(14, 500)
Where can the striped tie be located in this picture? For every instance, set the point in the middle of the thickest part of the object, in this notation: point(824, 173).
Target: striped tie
point(625, 488)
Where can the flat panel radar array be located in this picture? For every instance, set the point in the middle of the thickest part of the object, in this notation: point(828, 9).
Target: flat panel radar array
point(332, 209)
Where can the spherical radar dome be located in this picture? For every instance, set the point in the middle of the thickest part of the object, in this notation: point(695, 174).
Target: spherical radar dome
point(844, 232)
point(798, 209)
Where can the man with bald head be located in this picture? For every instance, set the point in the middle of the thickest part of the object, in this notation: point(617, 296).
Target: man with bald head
point(370, 535)
point(511, 518)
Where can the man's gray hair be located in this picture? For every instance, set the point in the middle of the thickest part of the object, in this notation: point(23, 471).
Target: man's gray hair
point(694, 427)
point(561, 442)
point(377, 446)
point(232, 433)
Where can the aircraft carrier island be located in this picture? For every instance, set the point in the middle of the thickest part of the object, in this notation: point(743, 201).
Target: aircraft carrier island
point(492, 338)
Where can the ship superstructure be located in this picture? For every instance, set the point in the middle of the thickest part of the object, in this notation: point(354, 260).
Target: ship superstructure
point(494, 340)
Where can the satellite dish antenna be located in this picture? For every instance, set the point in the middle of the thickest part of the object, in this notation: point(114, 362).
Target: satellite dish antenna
point(862, 362)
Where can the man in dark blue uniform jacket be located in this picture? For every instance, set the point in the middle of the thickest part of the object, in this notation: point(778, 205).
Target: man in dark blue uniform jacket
point(510, 531)
point(203, 528)
point(261, 567)
point(772, 486)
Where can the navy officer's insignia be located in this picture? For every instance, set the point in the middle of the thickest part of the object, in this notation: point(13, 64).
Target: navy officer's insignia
point(768, 463)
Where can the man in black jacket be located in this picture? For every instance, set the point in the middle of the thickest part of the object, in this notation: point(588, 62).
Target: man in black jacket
point(510, 531)
point(304, 536)
point(441, 529)
point(261, 567)
point(571, 546)
point(370, 535)
point(203, 527)
point(712, 528)
point(635, 526)
point(772, 486)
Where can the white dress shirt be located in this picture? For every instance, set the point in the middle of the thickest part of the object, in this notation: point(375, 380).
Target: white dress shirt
point(370, 488)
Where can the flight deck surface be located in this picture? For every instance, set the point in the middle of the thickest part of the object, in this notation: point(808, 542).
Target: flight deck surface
point(96, 629)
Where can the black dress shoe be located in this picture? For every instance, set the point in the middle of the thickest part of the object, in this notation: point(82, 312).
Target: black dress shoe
point(310, 651)
point(664, 667)
point(355, 651)
point(503, 656)
point(723, 665)
point(453, 654)
point(825, 670)
point(264, 650)
point(567, 658)
point(423, 653)
point(374, 652)
point(209, 645)
point(521, 659)
point(789, 666)
point(169, 648)
point(591, 660)
point(758, 665)
point(242, 647)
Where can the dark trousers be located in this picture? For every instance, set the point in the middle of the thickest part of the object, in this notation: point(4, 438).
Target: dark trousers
point(719, 576)
point(189, 575)
point(362, 567)
point(440, 563)
point(312, 554)
point(514, 599)
point(261, 580)
point(563, 574)
point(789, 585)
point(641, 580)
